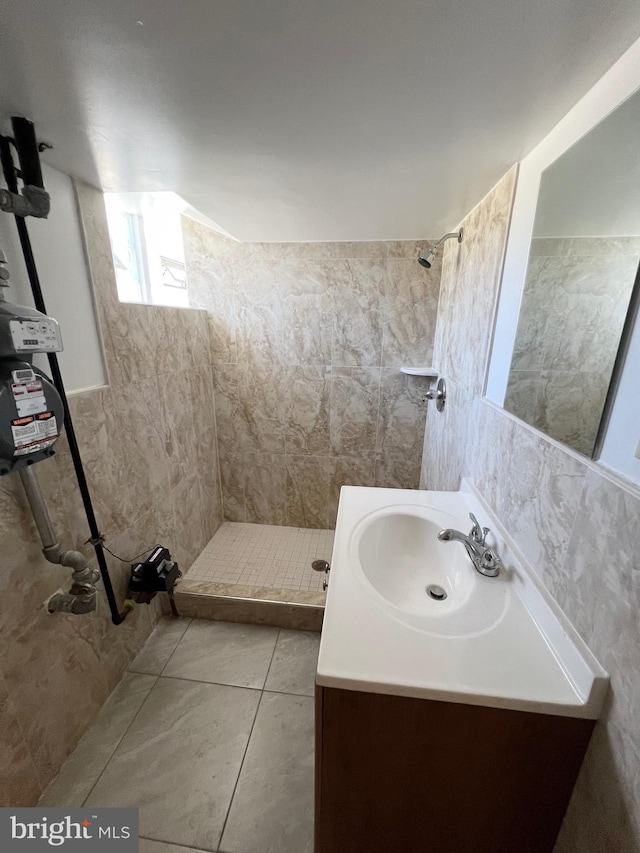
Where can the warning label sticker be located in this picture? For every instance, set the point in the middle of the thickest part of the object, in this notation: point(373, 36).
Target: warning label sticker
point(29, 397)
point(34, 433)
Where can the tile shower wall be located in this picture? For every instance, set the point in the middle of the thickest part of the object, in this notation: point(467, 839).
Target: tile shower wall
point(307, 341)
point(147, 475)
point(576, 525)
point(572, 284)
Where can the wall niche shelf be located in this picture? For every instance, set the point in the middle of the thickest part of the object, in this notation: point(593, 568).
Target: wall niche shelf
point(420, 371)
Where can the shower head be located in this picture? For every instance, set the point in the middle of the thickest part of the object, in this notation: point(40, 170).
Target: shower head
point(427, 257)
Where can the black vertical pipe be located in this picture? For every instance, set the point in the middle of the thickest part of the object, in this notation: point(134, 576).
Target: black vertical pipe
point(8, 167)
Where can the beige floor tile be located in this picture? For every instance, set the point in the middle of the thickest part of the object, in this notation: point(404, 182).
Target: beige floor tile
point(82, 769)
point(272, 809)
point(224, 653)
point(160, 646)
point(180, 760)
point(294, 664)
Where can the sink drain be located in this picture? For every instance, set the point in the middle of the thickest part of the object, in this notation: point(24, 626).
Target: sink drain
point(435, 591)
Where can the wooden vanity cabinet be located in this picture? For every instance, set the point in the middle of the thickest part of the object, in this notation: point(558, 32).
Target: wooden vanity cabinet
point(402, 775)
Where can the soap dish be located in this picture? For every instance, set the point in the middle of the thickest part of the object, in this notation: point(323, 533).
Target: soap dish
point(419, 371)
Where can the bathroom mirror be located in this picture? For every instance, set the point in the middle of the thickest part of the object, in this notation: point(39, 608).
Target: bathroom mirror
point(582, 266)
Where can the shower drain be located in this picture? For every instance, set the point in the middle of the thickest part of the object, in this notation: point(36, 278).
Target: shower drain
point(436, 592)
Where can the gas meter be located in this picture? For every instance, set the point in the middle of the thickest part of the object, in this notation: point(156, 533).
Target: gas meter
point(31, 411)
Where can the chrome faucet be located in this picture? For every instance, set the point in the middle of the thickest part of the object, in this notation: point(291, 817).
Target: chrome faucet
point(484, 559)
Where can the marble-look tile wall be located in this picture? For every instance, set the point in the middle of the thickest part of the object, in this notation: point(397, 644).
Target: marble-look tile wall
point(144, 440)
point(573, 309)
point(307, 341)
point(577, 525)
point(465, 317)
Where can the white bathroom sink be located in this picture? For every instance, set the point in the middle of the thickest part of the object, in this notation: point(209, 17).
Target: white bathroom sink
point(501, 642)
point(399, 554)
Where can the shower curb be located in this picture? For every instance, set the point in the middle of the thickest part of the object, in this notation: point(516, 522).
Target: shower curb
point(251, 611)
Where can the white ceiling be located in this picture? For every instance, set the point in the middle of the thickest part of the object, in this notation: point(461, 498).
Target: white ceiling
point(307, 119)
point(593, 190)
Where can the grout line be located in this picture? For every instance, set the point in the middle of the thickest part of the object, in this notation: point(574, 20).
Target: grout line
point(273, 654)
point(177, 644)
point(215, 424)
point(124, 734)
point(186, 619)
point(236, 686)
point(244, 755)
point(377, 452)
point(170, 844)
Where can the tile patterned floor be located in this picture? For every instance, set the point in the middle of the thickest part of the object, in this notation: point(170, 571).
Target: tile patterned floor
point(264, 555)
point(210, 734)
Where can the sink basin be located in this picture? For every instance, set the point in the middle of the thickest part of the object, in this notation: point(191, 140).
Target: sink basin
point(501, 642)
point(400, 558)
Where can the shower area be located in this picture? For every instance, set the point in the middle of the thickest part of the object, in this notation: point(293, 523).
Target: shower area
point(307, 342)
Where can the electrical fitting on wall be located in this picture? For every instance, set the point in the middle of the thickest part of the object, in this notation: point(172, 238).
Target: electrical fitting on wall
point(31, 420)
point(31, 411)
point(34, 408)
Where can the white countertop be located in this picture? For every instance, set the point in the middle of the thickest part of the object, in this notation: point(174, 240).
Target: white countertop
point(529, 658)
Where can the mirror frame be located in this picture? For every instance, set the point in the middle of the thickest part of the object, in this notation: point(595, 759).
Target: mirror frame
point(633, 312)
point(617, 85)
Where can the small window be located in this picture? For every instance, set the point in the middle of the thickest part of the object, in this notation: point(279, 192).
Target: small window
point(146, 241)
point(132, 273)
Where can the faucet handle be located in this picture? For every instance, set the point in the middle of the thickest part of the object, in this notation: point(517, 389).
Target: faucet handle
point(489, 564)
point(478, 534)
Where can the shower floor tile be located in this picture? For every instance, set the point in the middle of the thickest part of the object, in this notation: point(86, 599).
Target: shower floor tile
point(263, 555)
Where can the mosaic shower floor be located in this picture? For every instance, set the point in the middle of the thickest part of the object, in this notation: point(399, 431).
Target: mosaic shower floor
point(263, 555)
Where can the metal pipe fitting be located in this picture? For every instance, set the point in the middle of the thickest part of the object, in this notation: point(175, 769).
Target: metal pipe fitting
point(85, 576)
point(81, 598)
point(82, 574)
point(73, 602)
point(39, 508)
point(74, 560)
point(34, 201)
